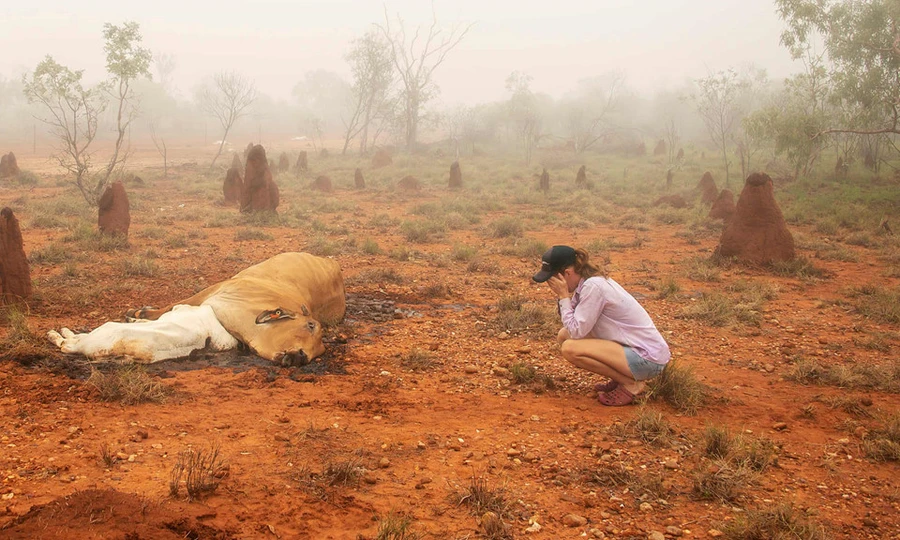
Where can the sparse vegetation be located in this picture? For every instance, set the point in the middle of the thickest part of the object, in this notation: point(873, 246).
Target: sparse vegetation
point(417, 360)
point(129, 385)
point(463, 253)
point(396, 526)
point(884, 375)
point(740, 451)
point(107, 456)
point(140, 266)
point(517, 315)
point(251, 234)
point(648, 426)
point(202, 470)
point(883, 442)
point(480, 497)
point(718, 309)
point(800, 268)
point(507, 227)
point(678, 386)
point(879, 303)
point(781, 522)
point(722, 480)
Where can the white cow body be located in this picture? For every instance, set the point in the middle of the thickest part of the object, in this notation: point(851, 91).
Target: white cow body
point(176, 334)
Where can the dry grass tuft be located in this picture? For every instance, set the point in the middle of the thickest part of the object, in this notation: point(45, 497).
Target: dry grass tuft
point(884, 376)
point(739, 451)
point(783, 522)
point(648, 426)
point(722, 481)
point(418, 361)
point(479, 497)
point(396, 526)
point(516, 315)
point(202, 471)
point(883, 443)
point(678, 386)
point(129, 385)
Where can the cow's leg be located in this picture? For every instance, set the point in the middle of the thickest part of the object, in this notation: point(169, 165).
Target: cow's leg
point(55, 338)
point(66, 333)
point(150, 313)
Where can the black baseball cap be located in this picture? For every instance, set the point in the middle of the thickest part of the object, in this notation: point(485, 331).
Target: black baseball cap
point(555, 260)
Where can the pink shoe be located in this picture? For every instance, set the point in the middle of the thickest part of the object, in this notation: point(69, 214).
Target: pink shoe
point(616, 398)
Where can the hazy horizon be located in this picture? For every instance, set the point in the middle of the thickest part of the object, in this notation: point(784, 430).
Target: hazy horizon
point(658, 44)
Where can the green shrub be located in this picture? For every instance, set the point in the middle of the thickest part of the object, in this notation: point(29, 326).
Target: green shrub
point(507, 227)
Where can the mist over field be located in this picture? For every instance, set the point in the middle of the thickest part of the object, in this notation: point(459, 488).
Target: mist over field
point(295, 54)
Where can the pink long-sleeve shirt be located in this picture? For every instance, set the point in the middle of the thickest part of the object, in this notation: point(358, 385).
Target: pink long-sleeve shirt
point(602, 309)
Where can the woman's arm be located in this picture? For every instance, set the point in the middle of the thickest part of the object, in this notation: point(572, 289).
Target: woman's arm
point(581, 320)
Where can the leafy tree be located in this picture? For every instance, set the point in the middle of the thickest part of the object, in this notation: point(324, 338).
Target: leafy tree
point(794, 116)
point(71, 114)
point(862, 44)
point(126, 61)
point(73, 111)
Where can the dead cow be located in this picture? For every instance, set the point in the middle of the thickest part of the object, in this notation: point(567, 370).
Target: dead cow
point(276, 308)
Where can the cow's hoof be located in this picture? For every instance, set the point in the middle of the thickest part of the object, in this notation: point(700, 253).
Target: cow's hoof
point(139, 313)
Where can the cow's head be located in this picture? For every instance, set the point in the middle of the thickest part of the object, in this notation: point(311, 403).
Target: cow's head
point(287, 337)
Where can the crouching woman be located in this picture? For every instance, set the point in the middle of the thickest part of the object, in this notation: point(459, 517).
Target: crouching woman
point(605, 330)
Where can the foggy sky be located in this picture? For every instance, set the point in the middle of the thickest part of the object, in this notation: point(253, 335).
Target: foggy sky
point(658, 43)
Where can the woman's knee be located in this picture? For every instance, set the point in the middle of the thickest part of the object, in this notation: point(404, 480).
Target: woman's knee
point(562, 336)
point(567, 349)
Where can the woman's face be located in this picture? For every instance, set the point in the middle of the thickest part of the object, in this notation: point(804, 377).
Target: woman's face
point(572, 278)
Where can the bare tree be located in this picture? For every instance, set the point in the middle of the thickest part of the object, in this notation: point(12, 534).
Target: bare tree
point(160, 144)
point(416, 65)
point(72, 113)
point(523, 112)
point(227, 100)
point(372, 67)
point(716, 101)
point(165, 67)
point(591, 114)
point(670, 134)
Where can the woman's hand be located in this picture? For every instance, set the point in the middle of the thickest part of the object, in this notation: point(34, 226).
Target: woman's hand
point(559, 286)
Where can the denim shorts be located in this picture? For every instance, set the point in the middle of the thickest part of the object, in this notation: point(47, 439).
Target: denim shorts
point(641, 368)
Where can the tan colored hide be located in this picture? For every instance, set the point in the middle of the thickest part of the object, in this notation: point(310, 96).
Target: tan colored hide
point(276, 306)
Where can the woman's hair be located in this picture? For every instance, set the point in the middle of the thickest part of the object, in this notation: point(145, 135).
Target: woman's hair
point(583, 266)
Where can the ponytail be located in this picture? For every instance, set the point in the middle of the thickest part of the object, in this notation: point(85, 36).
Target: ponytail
point(583, 266)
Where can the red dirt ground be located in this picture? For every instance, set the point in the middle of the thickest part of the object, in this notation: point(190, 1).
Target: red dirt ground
point(422, 437)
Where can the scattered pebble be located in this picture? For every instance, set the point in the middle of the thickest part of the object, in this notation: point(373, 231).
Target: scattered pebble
point(779, 426)
point(470, 369)
point(384, 463)
point(574, 520)
point(656, 535)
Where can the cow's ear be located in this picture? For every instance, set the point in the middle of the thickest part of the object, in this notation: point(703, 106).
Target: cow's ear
point(305, 310)
point(270, 315)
